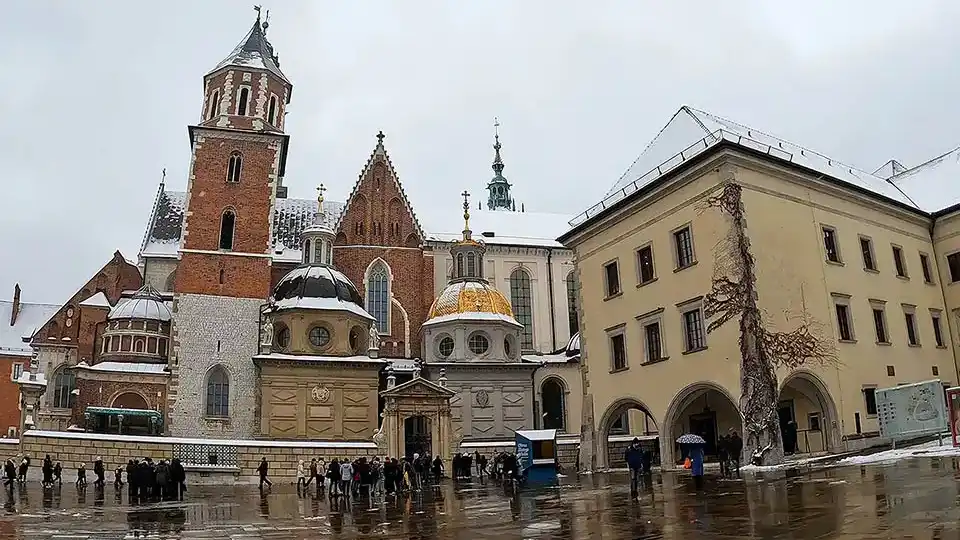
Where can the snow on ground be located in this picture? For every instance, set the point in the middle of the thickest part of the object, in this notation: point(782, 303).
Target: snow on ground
point(927, 449)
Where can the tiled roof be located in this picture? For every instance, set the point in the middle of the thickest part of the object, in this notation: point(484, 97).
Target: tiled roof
point(29, 319)
point(254, 51)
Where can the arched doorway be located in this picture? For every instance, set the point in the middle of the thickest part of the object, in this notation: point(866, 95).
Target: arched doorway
point(130, 400)
point(553, 404)
point(623, 420)
point(417, 436)
point(704, 408)
point(805, 400)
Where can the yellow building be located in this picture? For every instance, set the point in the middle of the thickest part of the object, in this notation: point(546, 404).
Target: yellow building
point(866, 261)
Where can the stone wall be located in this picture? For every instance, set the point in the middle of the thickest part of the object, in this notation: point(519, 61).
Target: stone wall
point(209, 331)
point(71, 449)
point(617, 447)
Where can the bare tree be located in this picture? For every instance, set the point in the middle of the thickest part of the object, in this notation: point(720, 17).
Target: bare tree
point(734, 294)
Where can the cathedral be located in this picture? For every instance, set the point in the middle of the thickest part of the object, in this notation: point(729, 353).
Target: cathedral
point(252, 315)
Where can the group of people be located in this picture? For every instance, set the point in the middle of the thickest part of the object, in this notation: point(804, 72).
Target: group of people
point(354, 477)
point(463, 465)
point(729, 448)
point(13, 473)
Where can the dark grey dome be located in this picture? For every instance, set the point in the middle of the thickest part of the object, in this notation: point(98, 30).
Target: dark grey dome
point(317, 287)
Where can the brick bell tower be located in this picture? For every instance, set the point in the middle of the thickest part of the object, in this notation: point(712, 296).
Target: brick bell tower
point(239, 153)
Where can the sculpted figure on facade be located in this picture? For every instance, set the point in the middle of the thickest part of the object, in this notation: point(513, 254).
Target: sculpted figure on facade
point(266, 332)
point(374, 338)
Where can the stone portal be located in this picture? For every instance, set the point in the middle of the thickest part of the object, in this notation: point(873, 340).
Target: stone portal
point(419, 407)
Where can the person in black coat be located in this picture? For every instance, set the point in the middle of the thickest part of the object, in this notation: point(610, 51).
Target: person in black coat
point(58, 473)
point(47, 471)
point(99, 472)
point(178, 475)
point(132, 478)
point(262, 470)
point(736, 449)
point(9, 473)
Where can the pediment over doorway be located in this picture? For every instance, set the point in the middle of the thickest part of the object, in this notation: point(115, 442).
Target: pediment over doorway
point(418, 388)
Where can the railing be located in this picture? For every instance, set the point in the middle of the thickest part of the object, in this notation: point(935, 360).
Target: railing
point(212, 455)
point(688, 153)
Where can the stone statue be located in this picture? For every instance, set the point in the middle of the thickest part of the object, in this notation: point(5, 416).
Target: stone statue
point(266, 332)
point(379, 437)
point(374, 337)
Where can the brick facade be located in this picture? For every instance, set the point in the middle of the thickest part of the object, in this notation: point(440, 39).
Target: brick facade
point(104, 390)
point(10, 393)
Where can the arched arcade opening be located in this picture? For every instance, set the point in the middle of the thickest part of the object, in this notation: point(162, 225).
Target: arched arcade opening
point(625, 419)
point(807, 414)
point(704, 408)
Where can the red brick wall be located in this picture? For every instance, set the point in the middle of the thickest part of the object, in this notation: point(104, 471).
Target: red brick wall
point(243, 277)
point(88, 340)
point(10, 393)
point(90, 395)
point(274, 86)
point(116, 276)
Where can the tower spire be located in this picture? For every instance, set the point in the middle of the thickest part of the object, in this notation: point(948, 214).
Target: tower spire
point(466, 216)
point(498, 187)
point(320, 189)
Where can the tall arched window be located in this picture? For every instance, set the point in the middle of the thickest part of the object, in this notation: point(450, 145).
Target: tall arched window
point(272, 110)
point(459, 272)
point(554, 408)
point(233, 167)
point(242, 98)
point(471, 265)
point(378, 296)
point(227, 223)
point(522, 304)
point(572, 290)
point(64, 383)
point(318, 246)
point(214, 105)
point(218, 393)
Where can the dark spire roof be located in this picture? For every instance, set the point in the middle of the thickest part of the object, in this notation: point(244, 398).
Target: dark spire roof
point(498, 187)
point(254, 51)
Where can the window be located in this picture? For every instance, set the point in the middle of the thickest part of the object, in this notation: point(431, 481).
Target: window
point(830, 244)
point(683, 244)
point(227, 221)
point(935, 370)
point(880, 325)
point(17, 371)
point(152, 345)
point(214, 105)
point(318, 246)
point(64, 384)
point(233, 167)
point(652, 340)
point(552, 400)
point(378, 296)
point(870, 400)
point(911, 323)
point(460, 266)
point(693, 331)
point(306, 251)
point(618, 351)
point(242, 98)
point(471, 265)
point(813, 421)
point(272, 110)
point(282, 337)
point(319, 336)
point(218, 393)
point(573, 319)
point(522, 304)
point(126, 343)
point(478, 343)
point(162, 346)
point(445, 347)
point(866, 248)
point(937, 329)
point(611, 275)
point(138, 345)
point(925, 267)
point(898, 262)
point(844, 317)
point(953, 263)
point(892, 372)
point(645, 264)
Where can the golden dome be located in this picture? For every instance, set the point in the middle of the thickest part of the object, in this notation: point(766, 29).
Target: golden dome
point(470, 297)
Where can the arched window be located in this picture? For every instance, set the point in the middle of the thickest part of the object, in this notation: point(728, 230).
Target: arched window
point(171, 280)
point(459, 272)
point(306, 251)
point(471, 265)
point(572, 290)
point(214, 105)
point(242, 98)
point(554, 408)
point(522, 304)
point(318, 252)
point(64, 383)
point(233, 167)
point(378, 296)
point(227, 222)
point(218, 393)
point(272, 110)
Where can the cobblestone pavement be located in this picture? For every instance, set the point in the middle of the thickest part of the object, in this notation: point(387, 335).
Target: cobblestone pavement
point(910, 499)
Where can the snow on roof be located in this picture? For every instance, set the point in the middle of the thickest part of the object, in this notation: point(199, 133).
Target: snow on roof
point(254, 51)
point(402, 365)
point(27, 379)
point(126, 367)
point(206, 442)
point(98, 300)
point(497, 227)
point(29, 319)
point(890, 168)
point(322, 304)
point(934, 185)
point(363, 359)
point(145, 304)
point(537, 434)
point(473, 316)
point(691, 131)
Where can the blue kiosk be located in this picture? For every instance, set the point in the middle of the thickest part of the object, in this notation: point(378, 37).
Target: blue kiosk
point(537, 454)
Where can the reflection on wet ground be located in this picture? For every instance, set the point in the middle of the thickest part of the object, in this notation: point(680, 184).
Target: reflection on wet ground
point(910, 499)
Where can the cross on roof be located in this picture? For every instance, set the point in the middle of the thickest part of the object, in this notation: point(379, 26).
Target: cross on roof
point(496, 126)
point(466, 195)
point(380, 137)
point(320, 189)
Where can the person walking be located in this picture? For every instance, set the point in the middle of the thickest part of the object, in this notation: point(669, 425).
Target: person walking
point(47, 469)
point(723, 455)
point(99, 472)
point(736, 448)
point(321, 474)
point(301, 476)
point(438, 469)
point(118, 477)
point(312, 474)
point(9, 473)
point(262, 470)
point(82, 476)
point(634, 458)
point(333, 473)
point(58, 473)
point(178, 475)
point(696, 468)
point(24, 468)
point(346, 475)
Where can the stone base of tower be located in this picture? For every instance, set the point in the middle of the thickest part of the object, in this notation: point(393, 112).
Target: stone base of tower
point(212, 332)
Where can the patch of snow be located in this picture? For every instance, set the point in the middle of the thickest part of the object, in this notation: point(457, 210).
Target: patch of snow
point(10, 441)
point(126, 367)
point(511, 228)
point(403, 365)
point(25, 379)
point(472, 316)
point(323, 304)
point(319, 358)
point(537, 434)
point(141, 306)
point(933, 186)
point(496, 444)
point(928, 449)
point(30, 318)
point(98, 300)
point(182, 440)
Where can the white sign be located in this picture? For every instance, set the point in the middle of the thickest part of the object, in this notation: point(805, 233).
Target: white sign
point(912, 410)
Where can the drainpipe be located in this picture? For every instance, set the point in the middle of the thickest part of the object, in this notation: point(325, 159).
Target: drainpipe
point(553, 322)
point(943, 297)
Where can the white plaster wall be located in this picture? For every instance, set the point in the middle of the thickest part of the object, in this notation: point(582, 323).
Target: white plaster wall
point(156, 271)
point(211, 330)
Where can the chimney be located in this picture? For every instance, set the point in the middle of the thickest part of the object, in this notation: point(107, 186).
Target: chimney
point(16, 305)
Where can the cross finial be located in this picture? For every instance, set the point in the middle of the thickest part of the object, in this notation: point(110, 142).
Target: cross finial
point(380, 137)
point(256, 7)
point(320, 189)
point(466, 203)
point(496, 126)
point(466, 214)
point(163, 176)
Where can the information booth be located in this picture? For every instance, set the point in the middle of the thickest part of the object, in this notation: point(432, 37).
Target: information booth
point(537, 454)
point(953, 404)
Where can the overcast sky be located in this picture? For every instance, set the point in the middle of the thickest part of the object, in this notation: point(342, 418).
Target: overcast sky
point(96, 97)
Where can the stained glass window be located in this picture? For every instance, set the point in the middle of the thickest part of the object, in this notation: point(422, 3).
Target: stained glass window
point(522, 304)
point(378, 297)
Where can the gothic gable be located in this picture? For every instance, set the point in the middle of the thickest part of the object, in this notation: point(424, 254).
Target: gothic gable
point(378, 213)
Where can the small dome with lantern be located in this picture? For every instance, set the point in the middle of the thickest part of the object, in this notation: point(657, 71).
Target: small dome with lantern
point(145, 304)
point(137, 329)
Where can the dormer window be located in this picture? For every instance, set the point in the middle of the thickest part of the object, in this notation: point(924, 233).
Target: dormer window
point(233, 167)
point(243, 97)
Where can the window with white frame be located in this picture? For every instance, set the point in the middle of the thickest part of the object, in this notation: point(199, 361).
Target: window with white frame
point(17, 371)
point(521, 301)
point(618, 348)
point(694, 329)
point(683, 247)
point(651, 326)
point(841, 307)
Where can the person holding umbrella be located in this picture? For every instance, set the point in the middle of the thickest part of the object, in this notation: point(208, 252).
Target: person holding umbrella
point(694, 445)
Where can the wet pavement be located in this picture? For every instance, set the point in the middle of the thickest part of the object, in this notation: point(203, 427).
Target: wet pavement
point(915, 498)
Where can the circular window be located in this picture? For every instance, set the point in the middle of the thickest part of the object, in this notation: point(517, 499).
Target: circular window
point(319, 336)
point(445, 347)
point(282, 338)
point(506, 347)
point(478, 343)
